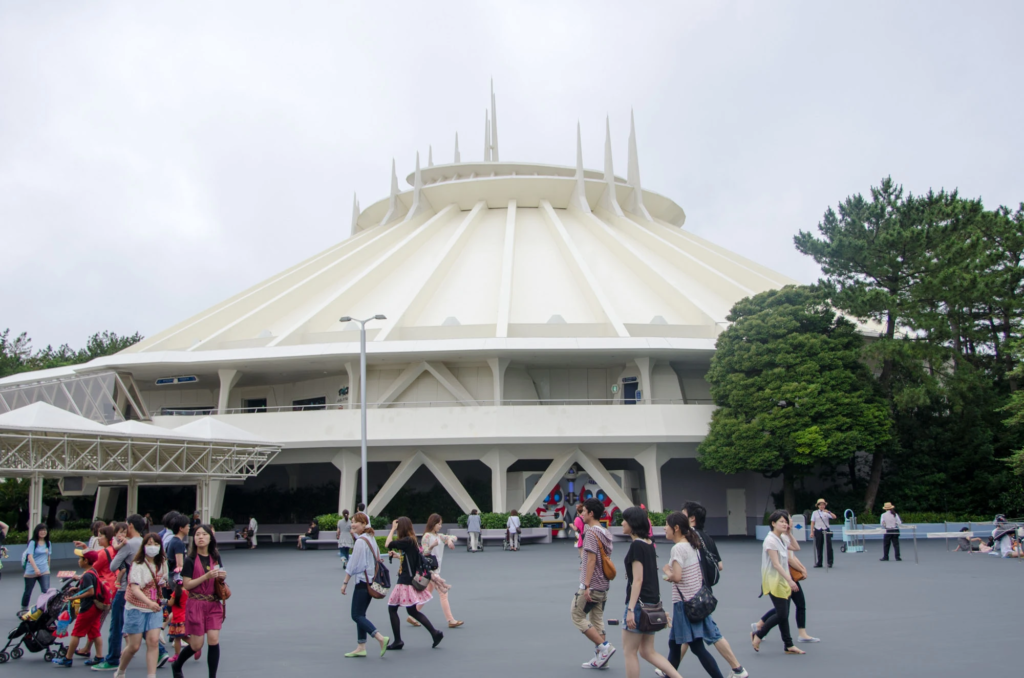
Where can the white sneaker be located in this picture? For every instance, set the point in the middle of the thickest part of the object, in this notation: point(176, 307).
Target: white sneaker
point(659, 673)
point(604, 653)
point(742, 673)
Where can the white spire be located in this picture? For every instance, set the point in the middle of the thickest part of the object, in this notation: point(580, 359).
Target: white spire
point(420, 204)
point(609, 200)
point(458, 157)
point(494, 125)
point(355, 213)
point(430, 156)
point(487, 136)
point(578, 199)
point(635, 202)
point(396, 208)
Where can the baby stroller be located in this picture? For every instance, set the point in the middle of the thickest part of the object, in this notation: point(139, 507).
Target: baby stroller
point(38, 627)
point(507, 544)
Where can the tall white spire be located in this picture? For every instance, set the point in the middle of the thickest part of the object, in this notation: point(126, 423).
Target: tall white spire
point(396, 208)
point(494, 125)
point(430, 156)
point(487, 136)
point(635, 202)
point(458, 156)
point(609, 200)
point(420, 204)
point(578, 199)
point(355, 213)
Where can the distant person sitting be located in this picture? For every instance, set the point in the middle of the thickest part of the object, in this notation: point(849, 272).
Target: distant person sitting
point(967, 543)
point(312, 533)
point(1002, 539)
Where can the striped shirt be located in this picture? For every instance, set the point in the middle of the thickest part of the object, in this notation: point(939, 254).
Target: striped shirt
point(598, 582)
point(690, 584)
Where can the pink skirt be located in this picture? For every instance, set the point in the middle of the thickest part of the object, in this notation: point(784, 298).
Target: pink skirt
point(202, 616)
point(404, 595)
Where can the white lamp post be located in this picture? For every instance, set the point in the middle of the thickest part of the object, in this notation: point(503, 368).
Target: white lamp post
point(362, 391)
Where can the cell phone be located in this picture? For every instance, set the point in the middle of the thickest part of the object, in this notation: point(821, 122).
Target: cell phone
point(612, 622)
point(587, 607)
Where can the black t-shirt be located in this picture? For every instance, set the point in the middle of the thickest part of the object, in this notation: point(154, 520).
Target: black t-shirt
point(648, 558)
point(710, 544)
point(313, 532)
point(188, 568)
point(87, 581)
point(410, 559)
point(174, 547)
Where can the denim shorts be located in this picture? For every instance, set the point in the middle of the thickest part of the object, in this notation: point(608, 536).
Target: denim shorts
point(140, 621)
point(636, 618)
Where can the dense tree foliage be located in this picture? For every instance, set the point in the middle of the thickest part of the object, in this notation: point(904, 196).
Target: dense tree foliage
point(944, 279)
point(791, 389)
point(17, 355)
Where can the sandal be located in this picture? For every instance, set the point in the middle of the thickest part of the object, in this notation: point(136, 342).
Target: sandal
point(412, 621)
point(757, 647)
point(794, 650)
point(455, 624)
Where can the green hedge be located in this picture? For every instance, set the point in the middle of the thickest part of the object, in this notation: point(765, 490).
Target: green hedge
point(925, 517)
point(56, 537)
point(77, 524)
point(498, 521)
point(223, 524)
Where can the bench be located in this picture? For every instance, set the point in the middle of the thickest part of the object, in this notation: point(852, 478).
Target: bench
point(228, 540)
point(317, 543)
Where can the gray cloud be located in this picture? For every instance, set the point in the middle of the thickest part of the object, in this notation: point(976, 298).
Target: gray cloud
point(155, 160)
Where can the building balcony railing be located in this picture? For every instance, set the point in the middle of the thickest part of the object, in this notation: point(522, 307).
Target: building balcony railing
point(549, 402)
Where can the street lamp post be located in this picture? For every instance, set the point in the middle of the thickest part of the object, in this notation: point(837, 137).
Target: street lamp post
point(362, 392)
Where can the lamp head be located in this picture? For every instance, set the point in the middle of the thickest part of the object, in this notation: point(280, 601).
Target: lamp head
point(380, 317)
point(346, 319)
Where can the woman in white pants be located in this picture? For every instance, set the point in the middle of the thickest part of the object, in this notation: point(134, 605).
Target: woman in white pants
point(513, 526)
point(473, 527)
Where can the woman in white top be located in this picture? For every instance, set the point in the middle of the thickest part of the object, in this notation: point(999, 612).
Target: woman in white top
point(143, 613)
point(433, 544)
point(777, 582)
point(253, 527)
point(362, 565)
point(797, 596)
point(344, 537)
point(513, 526)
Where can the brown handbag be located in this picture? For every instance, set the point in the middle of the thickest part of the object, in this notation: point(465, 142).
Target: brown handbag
point(221, 590)
point(606, 564)
point(796, 574)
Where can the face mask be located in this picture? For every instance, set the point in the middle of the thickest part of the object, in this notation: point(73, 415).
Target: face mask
point(152, 550)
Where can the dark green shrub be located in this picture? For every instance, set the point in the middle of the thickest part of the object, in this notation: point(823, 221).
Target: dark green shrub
point(328, 522)
point(378, 523)
point(223, 524)
point(530, 520)
point(77, 524)
point(56, 536)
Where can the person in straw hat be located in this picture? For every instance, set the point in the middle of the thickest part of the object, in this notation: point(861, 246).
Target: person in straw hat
point(822, 531)
point(891, 522)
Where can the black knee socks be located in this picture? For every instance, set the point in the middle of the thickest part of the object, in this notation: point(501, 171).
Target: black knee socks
point(212, 659)
point(421, 618)
point(396, 625)
point(185, 654)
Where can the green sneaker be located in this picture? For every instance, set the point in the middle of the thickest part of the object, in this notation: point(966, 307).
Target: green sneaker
point(104, 666)
point(162, 659)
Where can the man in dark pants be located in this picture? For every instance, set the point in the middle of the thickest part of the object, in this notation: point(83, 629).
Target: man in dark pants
point(891, 523)
point(822, 531)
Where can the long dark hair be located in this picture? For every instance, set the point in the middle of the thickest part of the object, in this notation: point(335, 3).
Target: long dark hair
point(96, 526)
point(679, 521)
point(140, 555)
point(405, 529)
point(35, 534)
point(193, 553)
point(176, 594)
point(636, 518)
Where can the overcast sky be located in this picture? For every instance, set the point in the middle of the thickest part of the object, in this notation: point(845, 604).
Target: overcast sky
point(156, 158)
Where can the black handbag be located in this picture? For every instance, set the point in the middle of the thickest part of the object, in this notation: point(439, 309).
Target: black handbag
point(652, 618)
point(378, 587)
point(430, 561)
point(701, 605)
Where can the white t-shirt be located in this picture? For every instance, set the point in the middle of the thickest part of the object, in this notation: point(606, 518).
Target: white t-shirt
point(513, 524)
point(772, 580)
point(141, 574)
point(686, 556)
point(253, 526)
point(433, 545)
point(820, 520)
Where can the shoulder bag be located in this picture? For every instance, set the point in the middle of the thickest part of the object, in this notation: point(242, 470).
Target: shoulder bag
point(606, 564)
point(703, 602)
point(708, 563)
point(381, 582)
point(796, 574)
point(652, 618)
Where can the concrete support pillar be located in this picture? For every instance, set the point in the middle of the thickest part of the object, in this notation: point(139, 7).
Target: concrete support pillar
point(597, 471)
point(645, 365)
point(203, 500)
point(228, 379)
point(499, 461)
point(133, 496)
point(349, 464)
point(498, 366)
point(404, 472)
point(353, 383)
point(559, 465)
point(652, 460)
point(35, 501)
point(217, 488)
point(106, 502)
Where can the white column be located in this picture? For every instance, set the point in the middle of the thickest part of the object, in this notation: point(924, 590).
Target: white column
point(498, 367)
point(499, 461)
point(353, 384)
point(203, 500)
point(133, 496)
point(106, 502)
point(652, 460)
point(348, 463)
point(217, 488)
point(35, 501)
point(228, 379)
point(645, 365)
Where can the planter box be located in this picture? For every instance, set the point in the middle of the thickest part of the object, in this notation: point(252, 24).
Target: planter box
point(62, 551)
point(540, 535)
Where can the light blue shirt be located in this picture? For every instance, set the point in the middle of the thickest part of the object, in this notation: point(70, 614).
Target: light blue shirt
point(41, 554)
point(473, 523)
point(363, 562)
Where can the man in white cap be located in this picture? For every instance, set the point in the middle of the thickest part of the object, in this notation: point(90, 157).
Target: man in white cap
point(822, 531)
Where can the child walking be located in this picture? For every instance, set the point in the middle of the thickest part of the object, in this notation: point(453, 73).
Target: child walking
point(177, 601)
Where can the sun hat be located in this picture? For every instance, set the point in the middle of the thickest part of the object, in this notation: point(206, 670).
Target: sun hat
point(887, 506)
point(820, 501)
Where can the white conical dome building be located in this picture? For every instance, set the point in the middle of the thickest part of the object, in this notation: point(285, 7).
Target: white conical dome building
point(524, 303)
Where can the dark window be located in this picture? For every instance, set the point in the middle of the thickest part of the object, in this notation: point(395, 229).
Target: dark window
point(309, 404)
point(254, 405)
point(629, 393)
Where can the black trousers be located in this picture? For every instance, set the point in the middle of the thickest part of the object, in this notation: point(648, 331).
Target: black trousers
point(891, 537)
point(799, 602)
point(822, 539)
point(778, 617)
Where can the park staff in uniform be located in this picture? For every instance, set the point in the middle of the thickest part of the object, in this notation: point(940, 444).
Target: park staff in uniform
point(822, 532)
point(891, 523)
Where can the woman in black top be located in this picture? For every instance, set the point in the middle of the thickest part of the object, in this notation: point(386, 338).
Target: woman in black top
point(641, 589)
point(404, 594)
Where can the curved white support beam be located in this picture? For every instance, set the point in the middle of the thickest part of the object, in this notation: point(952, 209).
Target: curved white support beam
point(438, 370)
point(507, 264)
point(404, 472)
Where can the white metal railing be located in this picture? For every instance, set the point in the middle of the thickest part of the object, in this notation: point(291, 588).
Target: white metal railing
point(548, 402)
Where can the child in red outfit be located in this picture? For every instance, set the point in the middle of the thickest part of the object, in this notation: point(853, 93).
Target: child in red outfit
point(90, 617)
point(177, 603)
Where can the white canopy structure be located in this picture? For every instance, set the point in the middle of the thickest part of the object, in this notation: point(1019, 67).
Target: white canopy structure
point(41, 441)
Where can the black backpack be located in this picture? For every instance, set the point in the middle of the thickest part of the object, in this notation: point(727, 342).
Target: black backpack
point(708, 563)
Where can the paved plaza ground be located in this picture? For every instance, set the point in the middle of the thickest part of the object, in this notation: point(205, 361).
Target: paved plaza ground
point(952, 615)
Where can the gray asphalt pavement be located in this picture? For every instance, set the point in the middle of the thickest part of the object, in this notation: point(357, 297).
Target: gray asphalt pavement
point(952, 615)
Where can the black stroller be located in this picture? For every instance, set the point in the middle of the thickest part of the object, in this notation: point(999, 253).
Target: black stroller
point(38, 634)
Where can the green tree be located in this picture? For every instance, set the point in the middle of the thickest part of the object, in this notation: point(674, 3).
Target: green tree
point(791, 390)
point(16, 355)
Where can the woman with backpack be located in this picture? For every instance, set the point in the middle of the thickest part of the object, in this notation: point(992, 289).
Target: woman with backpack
point(411, 589)
point(143, 613)
point(362, 565)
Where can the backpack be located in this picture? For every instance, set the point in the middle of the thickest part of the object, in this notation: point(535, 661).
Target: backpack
point(101, 595)
point(708, 563)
